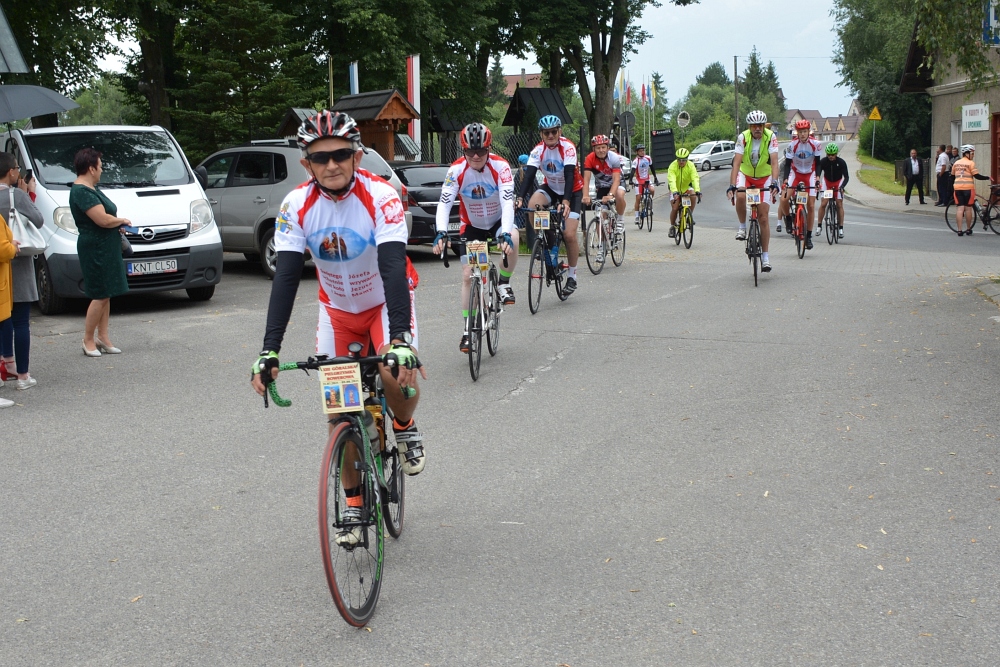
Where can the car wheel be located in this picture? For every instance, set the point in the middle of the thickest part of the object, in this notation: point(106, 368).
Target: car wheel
point(268, 254)
point(49, 302)
point(706, 165)
point(201, 293)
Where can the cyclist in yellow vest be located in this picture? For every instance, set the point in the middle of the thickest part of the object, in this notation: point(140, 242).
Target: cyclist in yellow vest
point(682, 178)
point(755, 165)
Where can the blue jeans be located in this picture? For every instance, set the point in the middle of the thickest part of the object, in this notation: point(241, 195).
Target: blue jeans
point(15, 338)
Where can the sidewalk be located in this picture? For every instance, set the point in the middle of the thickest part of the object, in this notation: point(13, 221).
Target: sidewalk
point(859, 193)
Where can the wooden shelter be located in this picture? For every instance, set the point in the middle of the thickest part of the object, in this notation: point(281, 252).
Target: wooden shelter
point(380, 114)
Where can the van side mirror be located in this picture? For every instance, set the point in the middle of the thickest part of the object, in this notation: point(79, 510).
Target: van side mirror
point(202, 175)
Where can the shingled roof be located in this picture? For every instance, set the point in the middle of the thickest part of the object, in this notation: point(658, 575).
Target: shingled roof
point(369, 106)
point(546, 101)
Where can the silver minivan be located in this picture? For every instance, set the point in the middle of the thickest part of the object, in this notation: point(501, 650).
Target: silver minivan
point(713, 155)
point(175, 241)
point(246, 185)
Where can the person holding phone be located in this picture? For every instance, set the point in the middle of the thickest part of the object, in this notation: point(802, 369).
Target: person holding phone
point(15, 336)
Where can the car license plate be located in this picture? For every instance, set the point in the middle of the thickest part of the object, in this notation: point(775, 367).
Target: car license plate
point(151, 266)
point(453, 226)
point(801, 197)
point(827, 194)
point(686, 201)
point(753, 196)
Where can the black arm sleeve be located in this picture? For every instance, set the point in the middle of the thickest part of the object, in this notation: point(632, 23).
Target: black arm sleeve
point(283, 289)
point(526, 180)
point(845, 170)
point(568, 172)
point(392, 268)
point(980, 177)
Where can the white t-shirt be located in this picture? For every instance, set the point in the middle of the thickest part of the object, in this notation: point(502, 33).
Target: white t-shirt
point(343, 234)
point(943, 163)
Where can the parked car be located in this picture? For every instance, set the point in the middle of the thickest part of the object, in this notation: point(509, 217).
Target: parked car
point(246, 185)
point(423, 181)
point(176, 243)
point(713, 155)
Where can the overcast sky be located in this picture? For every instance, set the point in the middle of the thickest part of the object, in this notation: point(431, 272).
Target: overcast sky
point(798, 36)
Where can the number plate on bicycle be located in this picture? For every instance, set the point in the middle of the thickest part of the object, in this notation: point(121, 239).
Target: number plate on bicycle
point(477, 254)
point(827, 194)
point(801, 197)
point(542, 220)
point(340, 388)
point(686, 202)
point(753, 196)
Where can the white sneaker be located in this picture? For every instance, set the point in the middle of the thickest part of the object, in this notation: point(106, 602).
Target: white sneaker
point(4, 403)
point(411, 449)
point(765, 265)
point(779, 227)
point(26, 384)
point(350, 537)
point(741, 234)
point(840, 233)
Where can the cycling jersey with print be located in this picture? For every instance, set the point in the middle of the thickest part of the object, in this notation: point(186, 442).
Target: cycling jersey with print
point(641, 167)
point(552, 162)
point(772, 147)
point(803, 154)
point(342, 234)
point(603, 170)
point(486, 196)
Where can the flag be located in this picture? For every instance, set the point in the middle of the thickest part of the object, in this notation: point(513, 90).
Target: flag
point(652, 96)
point(644, 95)
point(628, 93)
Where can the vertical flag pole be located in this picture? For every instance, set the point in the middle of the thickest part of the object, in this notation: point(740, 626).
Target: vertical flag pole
point(353, 76)
point(329, 66)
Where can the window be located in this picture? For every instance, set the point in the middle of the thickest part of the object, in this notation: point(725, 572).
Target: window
point(717, 149)
point(280, 168)
point(252, 169)
point(218, 170)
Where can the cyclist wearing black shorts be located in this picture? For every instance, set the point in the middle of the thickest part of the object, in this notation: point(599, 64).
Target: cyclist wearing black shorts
point(833, 174)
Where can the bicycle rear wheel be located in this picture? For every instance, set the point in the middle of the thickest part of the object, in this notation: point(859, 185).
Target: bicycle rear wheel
point(688, 229)
point(831, 222)
point(593, 247)
point(474, 326)
point(618, 247)
point(536, 275)
point(800, 231)
point(993, 218)
point(394, 495)
point(493, 312)
point(354, 574)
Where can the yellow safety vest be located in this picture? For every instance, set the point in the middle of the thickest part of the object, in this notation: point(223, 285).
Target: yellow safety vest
point(763, 167)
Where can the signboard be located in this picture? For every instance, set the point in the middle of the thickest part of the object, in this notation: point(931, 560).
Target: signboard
point(975, 117)
point(662, 144)
point(875, 115)
point(991, 24)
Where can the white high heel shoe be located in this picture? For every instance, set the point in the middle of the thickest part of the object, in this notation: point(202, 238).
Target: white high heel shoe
point(91, 353)
point(105, 348)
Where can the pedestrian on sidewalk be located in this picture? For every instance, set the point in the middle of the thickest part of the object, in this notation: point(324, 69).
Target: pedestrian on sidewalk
point(943, 168)
point(914, 173)
point(8, 250)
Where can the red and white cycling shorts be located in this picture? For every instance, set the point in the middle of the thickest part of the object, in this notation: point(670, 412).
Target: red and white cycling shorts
point(338, 328)
point(831, 185)
point(641, 186)
point(794, 178)
point(744, 181)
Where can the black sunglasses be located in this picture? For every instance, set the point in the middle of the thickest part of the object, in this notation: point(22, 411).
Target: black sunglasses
point(324, 157)
point(476, 152)
point(550, 133)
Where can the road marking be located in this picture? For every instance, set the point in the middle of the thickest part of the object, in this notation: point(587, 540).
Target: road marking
point(660, 298)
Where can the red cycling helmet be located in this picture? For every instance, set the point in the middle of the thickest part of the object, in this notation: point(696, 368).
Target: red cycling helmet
point(803, 125)
point(600, 140)
point(476, 135)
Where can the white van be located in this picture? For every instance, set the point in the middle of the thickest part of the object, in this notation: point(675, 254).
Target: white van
point(176, 241)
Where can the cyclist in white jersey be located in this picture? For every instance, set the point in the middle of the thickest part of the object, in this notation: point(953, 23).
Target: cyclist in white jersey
point(485, 185)
point(353, 224)
point(801, 156)
point(642, 167)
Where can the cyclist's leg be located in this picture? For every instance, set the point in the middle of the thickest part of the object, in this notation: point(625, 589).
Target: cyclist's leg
point(408, 438)
point(675, 205)
point(620, 201)
point(571, 226)
point(762, 211)
point(639, 187)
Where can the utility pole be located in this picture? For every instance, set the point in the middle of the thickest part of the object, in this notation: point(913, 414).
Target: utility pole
point(329, 68)
point(736, 93)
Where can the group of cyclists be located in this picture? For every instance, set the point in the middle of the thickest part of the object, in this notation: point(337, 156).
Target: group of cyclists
point(366, 289)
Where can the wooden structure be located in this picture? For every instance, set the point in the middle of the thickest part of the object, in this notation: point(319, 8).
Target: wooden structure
point(288, 128)
point(529, 104)
point(380, 115)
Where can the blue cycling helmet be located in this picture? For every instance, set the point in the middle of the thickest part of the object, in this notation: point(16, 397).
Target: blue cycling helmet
point(549, 122)
point(523, 159)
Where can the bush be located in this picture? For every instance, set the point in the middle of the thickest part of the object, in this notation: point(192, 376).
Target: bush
point(888, 144)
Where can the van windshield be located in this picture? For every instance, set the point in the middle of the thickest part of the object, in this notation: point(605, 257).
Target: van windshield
point(129, 159)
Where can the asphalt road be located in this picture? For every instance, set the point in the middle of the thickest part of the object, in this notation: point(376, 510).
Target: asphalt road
point(671, 468)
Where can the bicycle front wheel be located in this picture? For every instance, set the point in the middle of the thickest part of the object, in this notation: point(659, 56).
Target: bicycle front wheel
point(562, 265)
point(648, 206)
point(831, 222)
point(353, 573)
point(536, 275)
point(493, 312)
point(949, 217)
point(475, 327)
point(992, 219)
point(753, 248)
point(593, 245)
point(688, 229)
point(800, 232)
point(618, 247)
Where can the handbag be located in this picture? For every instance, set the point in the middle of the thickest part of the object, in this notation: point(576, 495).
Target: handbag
point(27, 235)
point(126, 247)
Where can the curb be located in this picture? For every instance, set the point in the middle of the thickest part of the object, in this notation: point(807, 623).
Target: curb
point(860, 202)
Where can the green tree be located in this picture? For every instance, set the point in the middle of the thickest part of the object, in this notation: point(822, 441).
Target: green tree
point(103, 102)
point(496, 87)
point(753, 82)
point(714, 75)
point(951, 31)
point(661, 106)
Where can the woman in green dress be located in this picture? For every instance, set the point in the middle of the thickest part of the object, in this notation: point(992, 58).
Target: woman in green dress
point(99, 248)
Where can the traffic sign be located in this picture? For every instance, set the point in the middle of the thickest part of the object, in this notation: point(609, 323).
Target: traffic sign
point(875, 115)
point(683, 118)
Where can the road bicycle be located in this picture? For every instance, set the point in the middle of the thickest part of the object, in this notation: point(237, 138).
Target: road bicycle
point(485, 304)
point(645, 208)
point(986, 211)
point(753, 248)
point(831, 218)
point(685, 222)
point(361, 440)
point(801, 200)
point(547, 263)
point(601, 235)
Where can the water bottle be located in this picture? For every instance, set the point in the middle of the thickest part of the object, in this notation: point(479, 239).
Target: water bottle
point(369, 421)
point(554, 256)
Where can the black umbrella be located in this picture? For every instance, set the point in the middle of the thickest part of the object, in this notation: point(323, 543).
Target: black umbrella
point(18, 102)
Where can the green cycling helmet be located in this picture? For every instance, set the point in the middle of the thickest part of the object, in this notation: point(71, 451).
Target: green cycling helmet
point(683, 153)
point(831, 149)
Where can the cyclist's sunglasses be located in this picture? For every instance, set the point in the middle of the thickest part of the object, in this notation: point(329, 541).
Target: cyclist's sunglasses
point(476, 152)
point(550, 133)
point(324, 157)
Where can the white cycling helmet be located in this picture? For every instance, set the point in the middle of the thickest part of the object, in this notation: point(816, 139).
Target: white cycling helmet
point(967, 148)
point(756, 117)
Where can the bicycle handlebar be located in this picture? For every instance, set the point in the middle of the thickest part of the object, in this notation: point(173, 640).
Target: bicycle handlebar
point(314, 363)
